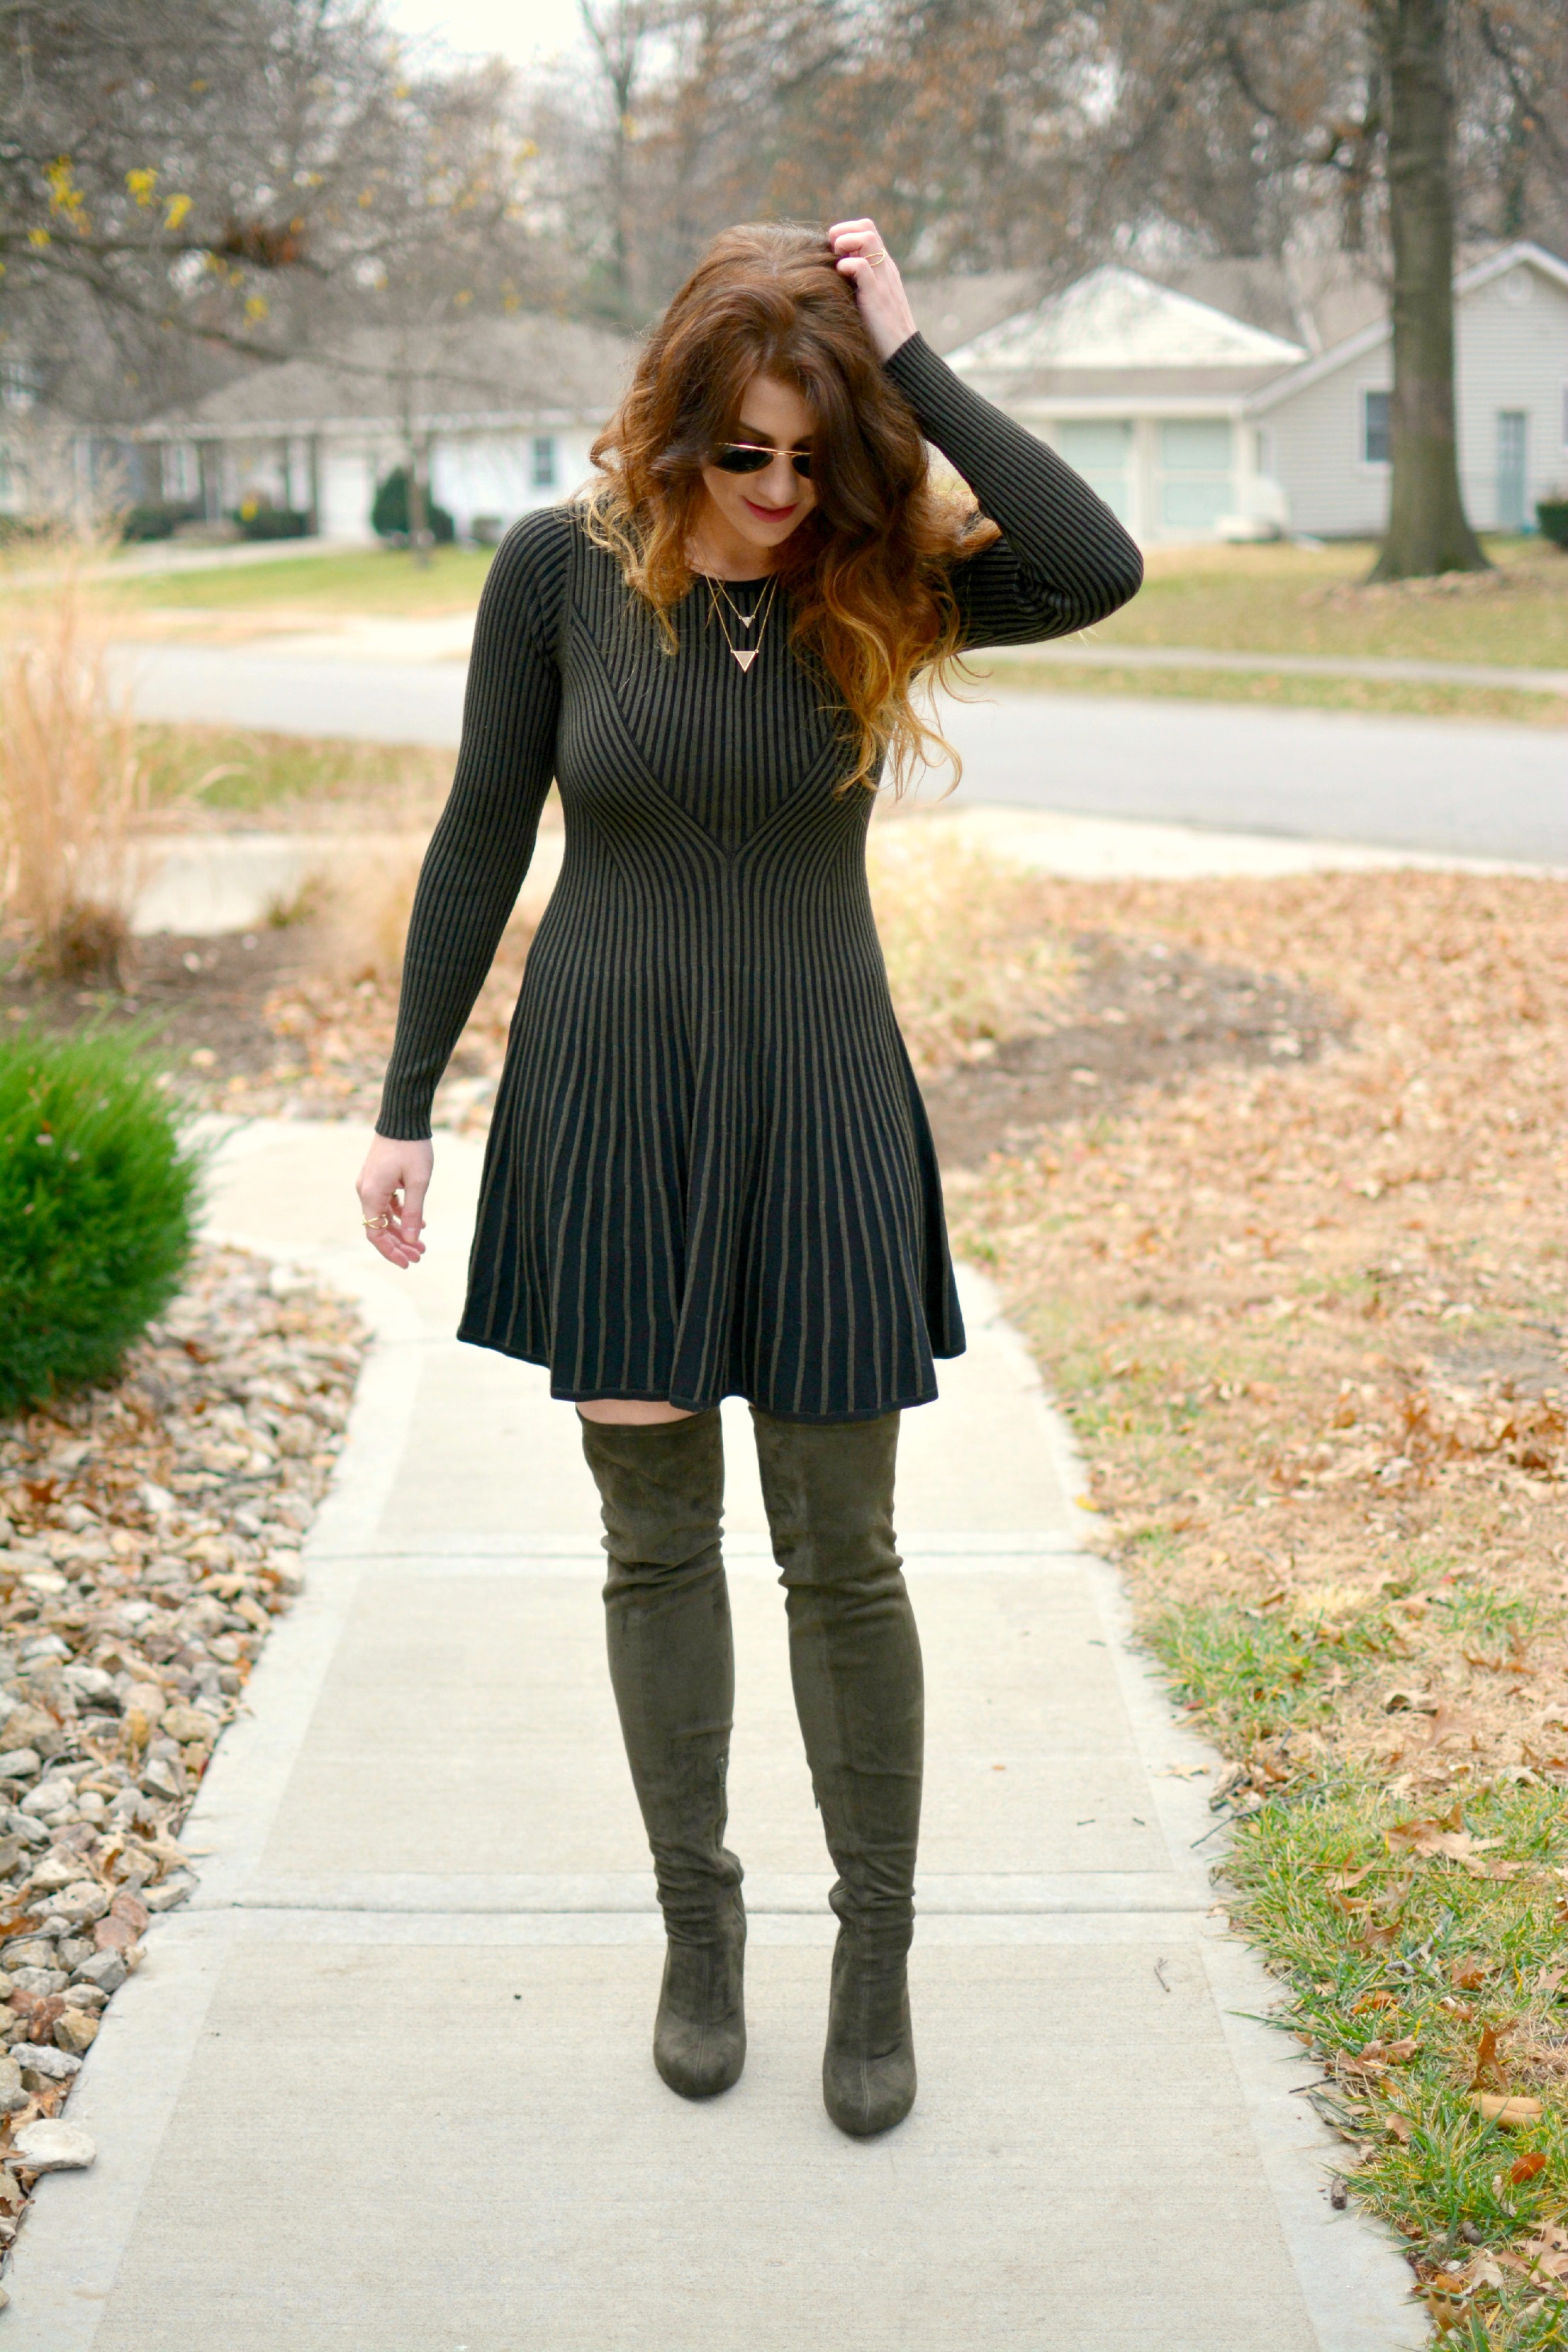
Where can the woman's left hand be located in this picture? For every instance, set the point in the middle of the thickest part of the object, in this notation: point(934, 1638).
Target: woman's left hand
point(870, 269)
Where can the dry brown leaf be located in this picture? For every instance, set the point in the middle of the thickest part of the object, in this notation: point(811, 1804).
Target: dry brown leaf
point(1545, 2254)
point(1488, 2065)
point(1525, 2167)
point(1446, 2307)
point(1437, 1840)
point(1510, 2112)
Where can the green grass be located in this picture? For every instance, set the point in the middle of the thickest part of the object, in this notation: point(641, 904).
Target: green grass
point(1264, 600)
point(1380, 1943)
point(374, 580)
point(1399, 697)
point(1259, 1674)
point(1421, 1950)
point(233, 769)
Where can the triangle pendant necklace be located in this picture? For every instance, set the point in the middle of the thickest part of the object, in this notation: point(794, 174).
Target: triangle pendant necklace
point(744, 654)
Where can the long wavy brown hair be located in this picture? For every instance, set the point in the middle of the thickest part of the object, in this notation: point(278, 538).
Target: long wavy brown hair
point(867, 571)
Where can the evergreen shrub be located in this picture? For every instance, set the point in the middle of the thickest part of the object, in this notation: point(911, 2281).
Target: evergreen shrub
point(98, 1205)
point(1551, 515)
point(389, 512)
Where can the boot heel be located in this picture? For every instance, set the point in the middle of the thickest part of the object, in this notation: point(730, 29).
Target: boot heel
point(700, 2033)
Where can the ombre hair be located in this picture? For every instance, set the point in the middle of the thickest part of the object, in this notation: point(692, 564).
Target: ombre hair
point(866, 570)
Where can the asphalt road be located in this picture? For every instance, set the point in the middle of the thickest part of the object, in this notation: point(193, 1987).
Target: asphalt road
point(1447, 786)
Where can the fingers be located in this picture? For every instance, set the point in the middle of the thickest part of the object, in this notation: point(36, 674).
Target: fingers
point(394, 1249)
point(391, 1187)
point(410, 1221)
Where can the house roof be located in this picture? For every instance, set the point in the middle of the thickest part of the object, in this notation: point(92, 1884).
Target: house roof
point(1117, 322)
point(1051, 387)
point(950, 311)
point(1315, 299)
point(1522, 254)
point(532, 369)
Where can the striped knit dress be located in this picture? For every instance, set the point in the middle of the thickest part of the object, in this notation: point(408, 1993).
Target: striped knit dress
point(709, 1170)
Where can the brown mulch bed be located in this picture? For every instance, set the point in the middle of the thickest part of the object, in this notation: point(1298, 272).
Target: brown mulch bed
point(257, 1022)
point(193, 996)
point(1143, 1013)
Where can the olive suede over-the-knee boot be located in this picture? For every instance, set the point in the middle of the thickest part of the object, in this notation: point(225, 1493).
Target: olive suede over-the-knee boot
point(855, 1658)
point(672, 1667)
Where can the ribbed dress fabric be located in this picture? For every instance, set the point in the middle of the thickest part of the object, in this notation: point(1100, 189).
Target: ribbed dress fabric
point(709, 1170)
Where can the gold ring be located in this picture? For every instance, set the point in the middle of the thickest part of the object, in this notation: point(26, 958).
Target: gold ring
point(376, 1225)
point(877, 259)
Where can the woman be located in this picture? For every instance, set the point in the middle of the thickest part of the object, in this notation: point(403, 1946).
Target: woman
point(709, 1172)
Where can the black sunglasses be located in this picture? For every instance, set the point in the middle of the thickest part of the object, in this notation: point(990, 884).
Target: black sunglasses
point(751, 458)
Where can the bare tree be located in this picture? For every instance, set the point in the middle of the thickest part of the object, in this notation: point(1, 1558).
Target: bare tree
point(175, 163)
point(255, 175)
point(1429, 531)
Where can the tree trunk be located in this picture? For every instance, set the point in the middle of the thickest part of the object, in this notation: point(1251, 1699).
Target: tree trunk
point(1427, 529)
point(418, 525)
point(420, 536)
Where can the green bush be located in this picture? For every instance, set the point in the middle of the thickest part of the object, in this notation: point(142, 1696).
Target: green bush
point(97, 1204)
point(389, 513)
point(1551, 514)
point(155, 520)
point(257, 522)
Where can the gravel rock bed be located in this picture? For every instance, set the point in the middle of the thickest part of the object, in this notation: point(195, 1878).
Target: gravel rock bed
point(149, 1532)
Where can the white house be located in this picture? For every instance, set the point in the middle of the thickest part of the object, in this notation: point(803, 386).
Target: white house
point(1323, 429)
point(1192, 422)
point(504, 410)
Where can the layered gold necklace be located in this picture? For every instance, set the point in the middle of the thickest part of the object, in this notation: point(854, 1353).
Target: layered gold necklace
point(758, 617)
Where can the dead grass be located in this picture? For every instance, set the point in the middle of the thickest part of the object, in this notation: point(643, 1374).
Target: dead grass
point(1294, 600)
point(1309, 1322)
point(968, 961)
point(71, 784)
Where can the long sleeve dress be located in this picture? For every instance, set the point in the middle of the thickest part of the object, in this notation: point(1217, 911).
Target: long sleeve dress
point(709, 1170)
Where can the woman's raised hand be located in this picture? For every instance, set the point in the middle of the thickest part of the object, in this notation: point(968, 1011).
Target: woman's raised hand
point(870, 269)
point(391, 1187)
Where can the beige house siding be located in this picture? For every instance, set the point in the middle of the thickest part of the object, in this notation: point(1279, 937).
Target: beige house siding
point(1512, 340)
point(1511, 337)
point(1313, 449)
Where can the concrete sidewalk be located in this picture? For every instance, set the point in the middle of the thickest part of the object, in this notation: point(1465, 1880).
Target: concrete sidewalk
point(386, 2086)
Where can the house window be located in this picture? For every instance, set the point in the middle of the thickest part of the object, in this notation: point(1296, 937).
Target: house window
point(1195, 462)
point(19, 383)
point(1376, 430)
point(1103, 455)
point(544, 462)
point(182, 475)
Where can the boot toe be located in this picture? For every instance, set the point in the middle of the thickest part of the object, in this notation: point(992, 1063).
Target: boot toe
point(699, 2060)
point(867, 2096)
